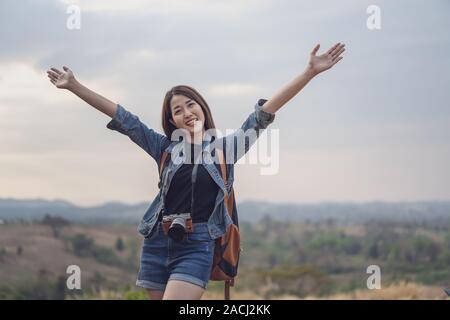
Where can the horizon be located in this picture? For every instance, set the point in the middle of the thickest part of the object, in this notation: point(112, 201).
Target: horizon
point(244, 201)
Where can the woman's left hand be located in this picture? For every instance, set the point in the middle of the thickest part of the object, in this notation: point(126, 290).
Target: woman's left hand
point(320, 63)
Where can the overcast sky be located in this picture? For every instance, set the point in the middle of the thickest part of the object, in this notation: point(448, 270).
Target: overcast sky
point(375, 127)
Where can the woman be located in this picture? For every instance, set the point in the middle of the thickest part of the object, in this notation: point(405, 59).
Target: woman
point(179, 267)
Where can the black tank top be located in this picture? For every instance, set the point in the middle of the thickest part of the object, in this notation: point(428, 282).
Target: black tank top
point(178, 198)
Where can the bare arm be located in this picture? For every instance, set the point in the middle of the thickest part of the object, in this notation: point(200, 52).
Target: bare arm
point(66, 80)
point(316, 65)
point(122, 120)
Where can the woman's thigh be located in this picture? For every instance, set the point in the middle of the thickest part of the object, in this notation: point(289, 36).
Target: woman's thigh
point(182, 290)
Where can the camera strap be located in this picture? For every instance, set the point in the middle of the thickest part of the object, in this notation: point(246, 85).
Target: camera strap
point(194, 178)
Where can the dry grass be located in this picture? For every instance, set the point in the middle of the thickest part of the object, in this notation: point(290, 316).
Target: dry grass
point(398, 291)
point(41, 251)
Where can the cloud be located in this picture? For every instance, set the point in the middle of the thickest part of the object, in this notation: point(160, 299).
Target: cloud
point(231, 7)
point(36, 117)
point(236, 89)
point(390, 91)
point(22, 84)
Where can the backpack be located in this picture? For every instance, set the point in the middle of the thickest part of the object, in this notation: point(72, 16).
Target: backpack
point(227, 247)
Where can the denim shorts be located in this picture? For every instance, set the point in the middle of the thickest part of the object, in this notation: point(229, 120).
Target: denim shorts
point(163, 259)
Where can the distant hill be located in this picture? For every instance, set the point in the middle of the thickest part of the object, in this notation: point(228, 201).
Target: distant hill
point(38, 208)
point(345, 212)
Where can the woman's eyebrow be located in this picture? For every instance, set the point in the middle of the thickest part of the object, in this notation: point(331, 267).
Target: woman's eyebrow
point(184, 103)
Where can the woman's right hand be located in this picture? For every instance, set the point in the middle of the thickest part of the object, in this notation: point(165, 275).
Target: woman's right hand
point(61, 79)
point(66, 80)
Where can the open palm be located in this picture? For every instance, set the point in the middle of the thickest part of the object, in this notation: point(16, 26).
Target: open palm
point(320, 63)
point(61, 79)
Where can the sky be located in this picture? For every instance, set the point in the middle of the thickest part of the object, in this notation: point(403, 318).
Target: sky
point(375, 127)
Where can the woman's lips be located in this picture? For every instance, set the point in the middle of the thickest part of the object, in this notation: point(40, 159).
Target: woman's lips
point(191, 122)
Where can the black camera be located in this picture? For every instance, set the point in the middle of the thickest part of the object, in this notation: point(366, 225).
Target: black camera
point(176, 225)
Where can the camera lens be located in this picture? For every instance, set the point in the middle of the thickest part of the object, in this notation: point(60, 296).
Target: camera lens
point(177, 229)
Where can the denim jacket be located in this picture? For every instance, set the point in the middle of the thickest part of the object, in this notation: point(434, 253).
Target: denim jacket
point(155, 144)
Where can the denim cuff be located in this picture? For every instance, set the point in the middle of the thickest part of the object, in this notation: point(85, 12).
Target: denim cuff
point(264, 118)
point(118, 120)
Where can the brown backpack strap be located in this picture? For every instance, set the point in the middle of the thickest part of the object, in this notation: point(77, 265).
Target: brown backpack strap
point(227, 290)
point(228, 284)
point(162, 162)
point(161, 167)
point(229, 198)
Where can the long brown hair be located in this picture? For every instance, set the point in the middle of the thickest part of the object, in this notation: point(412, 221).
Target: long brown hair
point(190, 93)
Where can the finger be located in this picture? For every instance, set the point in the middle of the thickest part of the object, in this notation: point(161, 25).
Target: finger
point(53, 81)
point(66, 69)
point(332, 48)
point(337, 60)
point(316, 48)
point(335, 50)
point(52, 77)
point(338, 53)
point(53, 74)
point(56, 70)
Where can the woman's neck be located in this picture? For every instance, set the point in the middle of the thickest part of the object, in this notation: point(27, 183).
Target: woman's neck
point(196, 137)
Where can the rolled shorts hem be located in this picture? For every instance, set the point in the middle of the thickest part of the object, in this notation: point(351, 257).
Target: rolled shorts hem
point(188, 278)
point(150, 285)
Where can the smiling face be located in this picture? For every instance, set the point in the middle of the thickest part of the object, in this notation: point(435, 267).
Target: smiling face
point(185, 108)
point(186, 114)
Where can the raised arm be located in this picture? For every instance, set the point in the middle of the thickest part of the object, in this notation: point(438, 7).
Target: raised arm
point(66, 80)
point(122, 120)
point(316, 65)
